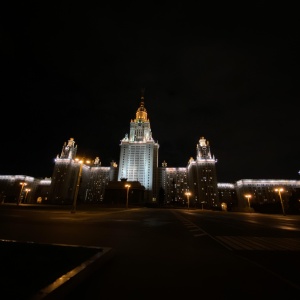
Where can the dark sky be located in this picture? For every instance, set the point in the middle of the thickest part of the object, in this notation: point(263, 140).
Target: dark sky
point(227, 72)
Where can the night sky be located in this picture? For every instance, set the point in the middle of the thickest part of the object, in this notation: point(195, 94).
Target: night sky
point(227, 72)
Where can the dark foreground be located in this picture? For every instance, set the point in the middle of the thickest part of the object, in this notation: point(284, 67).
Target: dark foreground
point(148, 254)
point(46, 271)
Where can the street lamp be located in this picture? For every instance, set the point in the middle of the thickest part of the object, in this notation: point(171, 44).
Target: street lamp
point(188, 194)
point(22, 187)
point(73, 210)
point(279, 190)
point(248, 196)
point(128, 187)
point(27, 191)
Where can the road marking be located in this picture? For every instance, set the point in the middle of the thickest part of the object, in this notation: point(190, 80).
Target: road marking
point(249, 243)
point(260, 243)
point(191, 226)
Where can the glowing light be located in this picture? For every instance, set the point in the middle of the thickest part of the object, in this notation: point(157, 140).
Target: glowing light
point(248, 196)
point(80, 161)
point(128, 187)
point(22, 187)
point(188, 194)
point(279, 190)
point(27, 191)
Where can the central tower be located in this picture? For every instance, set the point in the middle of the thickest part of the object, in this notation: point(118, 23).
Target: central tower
point(139, 154)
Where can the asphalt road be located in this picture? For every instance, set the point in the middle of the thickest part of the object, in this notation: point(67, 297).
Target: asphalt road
point(172, 253)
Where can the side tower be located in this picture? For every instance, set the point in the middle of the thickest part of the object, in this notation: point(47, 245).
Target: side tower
point(202, 178)
point(64, 175)
point(139, 154)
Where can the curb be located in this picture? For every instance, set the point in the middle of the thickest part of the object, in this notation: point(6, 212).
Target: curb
point(64, 284)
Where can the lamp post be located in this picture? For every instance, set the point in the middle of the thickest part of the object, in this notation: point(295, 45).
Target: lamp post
point(188, 194)
point(73, 210)
point(128, 187)
point(248, 196)
point(20, 195)
point(279, 190)
point(27, 191)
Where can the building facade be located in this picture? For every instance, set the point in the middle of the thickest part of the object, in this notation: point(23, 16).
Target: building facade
point(264, 195)
point(173, 184)
point(83, 177)
point(202, 177)
point(195, 185)
point(139, 154)
point(22, 189)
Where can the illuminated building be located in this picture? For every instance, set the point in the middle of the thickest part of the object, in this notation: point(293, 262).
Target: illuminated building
point(93, 179)
point(199, 178)
point(202, 178)
point(227, 196)
point(10, 189)
point(139, 154)
point(264, 196)
point(163, 186)
point(173, 184)
point(64, 175)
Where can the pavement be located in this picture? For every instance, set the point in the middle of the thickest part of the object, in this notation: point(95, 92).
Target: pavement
point(149, 266)
point(46, 271)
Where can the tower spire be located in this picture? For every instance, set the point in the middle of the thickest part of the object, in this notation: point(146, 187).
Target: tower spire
point(142, 94)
